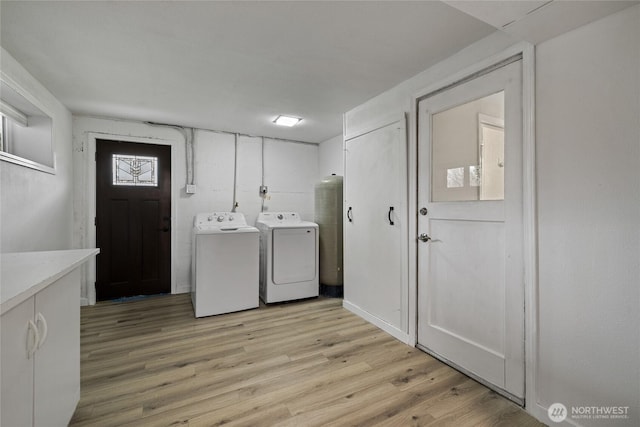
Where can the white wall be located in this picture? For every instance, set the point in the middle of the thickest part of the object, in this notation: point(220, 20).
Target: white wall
point(588, 193)
point(32, 142)
point(291, 170)
point(588, 162)
point(331, 157)
point(36, 207)
point(386, 108)
point(398, 98)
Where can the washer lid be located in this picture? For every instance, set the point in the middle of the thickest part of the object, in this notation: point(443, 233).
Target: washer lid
point(226, 229)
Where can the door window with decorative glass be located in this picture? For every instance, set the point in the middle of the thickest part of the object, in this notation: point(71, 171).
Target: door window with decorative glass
point(135, 170)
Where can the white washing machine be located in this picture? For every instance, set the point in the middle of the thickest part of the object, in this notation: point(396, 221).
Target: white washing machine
point(224, 264)
point(288, 257)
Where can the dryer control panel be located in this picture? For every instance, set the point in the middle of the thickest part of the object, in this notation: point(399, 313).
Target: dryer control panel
point(279, 218)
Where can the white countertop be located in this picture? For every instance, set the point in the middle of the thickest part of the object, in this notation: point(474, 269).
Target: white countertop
point(23, 274)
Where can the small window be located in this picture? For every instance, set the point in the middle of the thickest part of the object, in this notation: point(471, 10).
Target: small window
point(135, 170)
point(468, 151)
point(2, 138)
point(26, 133)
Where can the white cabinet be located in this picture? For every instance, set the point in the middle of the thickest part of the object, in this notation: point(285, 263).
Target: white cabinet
point(375, 226)
point(16, 369)
point(57, 361)
point(41, 356)
point(40, 337)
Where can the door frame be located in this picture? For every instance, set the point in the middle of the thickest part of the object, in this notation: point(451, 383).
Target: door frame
point(527, 51)
point(90, 201)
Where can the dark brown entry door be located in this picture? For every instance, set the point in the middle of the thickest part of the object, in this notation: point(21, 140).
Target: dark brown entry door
point(133, 219)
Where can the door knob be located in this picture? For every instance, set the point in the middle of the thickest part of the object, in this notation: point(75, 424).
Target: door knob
point(167, 226)
point(424, 237)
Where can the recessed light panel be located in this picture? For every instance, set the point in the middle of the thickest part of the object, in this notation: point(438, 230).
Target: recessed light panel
point(287, 121)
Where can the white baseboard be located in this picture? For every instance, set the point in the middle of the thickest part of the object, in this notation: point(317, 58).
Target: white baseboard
point(388, 328)
point(541, 414)
point(183, 289)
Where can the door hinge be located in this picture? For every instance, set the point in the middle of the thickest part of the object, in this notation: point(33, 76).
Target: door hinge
point(95, 221)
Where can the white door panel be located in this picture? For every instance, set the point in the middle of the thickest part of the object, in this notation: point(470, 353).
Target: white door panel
point(16, 367)
point(487, 211)
point(294, 257)
point(467, 281)
point(57, 360)
point(470, 274)
point(375, 222)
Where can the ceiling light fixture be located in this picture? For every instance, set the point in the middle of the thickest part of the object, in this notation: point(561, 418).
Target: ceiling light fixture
point(287, 120)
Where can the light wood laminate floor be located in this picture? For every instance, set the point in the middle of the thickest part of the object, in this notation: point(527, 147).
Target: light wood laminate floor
point(308, 363)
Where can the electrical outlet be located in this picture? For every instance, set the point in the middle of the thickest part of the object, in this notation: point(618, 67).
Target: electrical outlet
point(191, 189)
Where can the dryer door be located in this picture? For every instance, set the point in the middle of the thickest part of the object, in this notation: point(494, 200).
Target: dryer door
point(294, 255)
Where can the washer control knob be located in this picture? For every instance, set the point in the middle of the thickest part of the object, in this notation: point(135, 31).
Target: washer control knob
point(230, 218)
point(220, 218)
point(280, 216)
point(210, 218)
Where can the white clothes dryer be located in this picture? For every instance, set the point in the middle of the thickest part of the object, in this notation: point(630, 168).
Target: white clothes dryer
point(288, 257)
point(224, 266)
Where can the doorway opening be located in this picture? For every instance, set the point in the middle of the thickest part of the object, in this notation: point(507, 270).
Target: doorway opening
point(471, 291)
point(133, 219)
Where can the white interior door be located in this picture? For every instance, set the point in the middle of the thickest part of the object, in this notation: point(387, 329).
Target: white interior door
point(375, 222)
point(470, 259)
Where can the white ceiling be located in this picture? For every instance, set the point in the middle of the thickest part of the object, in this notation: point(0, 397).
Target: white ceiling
point(230, 65)
point(538, 20)
point(236, 65)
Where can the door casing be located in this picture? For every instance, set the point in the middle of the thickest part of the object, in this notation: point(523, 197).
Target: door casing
point(90, 202)
point(496, 357)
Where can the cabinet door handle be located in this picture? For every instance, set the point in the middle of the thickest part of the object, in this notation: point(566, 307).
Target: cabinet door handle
point(349, 217)
point(389, 215)
point(45, 329)
point(33, 338)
